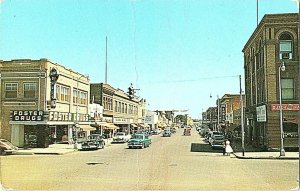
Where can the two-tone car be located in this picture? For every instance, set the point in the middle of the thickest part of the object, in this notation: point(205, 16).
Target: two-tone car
point(94, 142)
point(139, 141)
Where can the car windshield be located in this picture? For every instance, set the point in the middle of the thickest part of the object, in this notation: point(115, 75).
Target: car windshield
point(138, 136)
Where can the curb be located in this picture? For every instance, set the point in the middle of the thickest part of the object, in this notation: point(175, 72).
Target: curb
point(269, 157)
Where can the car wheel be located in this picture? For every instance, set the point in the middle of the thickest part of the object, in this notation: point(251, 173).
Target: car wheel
point(143, 146)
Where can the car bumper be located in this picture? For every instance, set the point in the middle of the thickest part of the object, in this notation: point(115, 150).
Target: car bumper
point(135, 145)
point(119, 141)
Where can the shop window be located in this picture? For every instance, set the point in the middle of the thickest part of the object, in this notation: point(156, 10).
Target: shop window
point(287, 86)
point(285, 46)
point(29, 90)
point(11, 90)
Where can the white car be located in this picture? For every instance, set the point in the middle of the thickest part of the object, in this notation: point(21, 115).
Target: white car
point(121, 137)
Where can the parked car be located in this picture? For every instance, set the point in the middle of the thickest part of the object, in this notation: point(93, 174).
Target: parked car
point(167, 133)
point(217, 142)
point(121, 137)
point(139, 141)
point(212, 134)
point(7, 147)
point(93, 142)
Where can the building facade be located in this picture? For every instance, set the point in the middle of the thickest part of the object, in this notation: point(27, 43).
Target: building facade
point(273, 43)
point(41, 102)
point(120, 112)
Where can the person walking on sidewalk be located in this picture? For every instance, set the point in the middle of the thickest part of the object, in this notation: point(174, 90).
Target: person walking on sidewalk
point(228, 148)
point(224, 146)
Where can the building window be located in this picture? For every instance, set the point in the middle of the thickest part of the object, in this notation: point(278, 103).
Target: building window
point(11, 90)
point(287, 86)
point(58, 93)
point(83, 98)
point(116, 106)
point(65, 94)
point(285, 46)
point(29, 90)
point(75, 96)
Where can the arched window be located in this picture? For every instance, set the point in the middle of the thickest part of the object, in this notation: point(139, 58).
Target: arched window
point(285, 46)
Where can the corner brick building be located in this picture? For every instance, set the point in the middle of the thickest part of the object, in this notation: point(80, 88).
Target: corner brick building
point(274, 42)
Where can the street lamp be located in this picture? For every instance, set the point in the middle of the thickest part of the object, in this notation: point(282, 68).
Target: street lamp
point(281, 68)
point(76, 125)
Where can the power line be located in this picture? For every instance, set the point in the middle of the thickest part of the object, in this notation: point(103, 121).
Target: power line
point(193, 80)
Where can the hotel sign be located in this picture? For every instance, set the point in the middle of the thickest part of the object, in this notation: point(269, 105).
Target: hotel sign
point(285, 107)
point(27, 115)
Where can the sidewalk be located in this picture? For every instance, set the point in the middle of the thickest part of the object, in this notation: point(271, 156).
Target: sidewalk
point(267, 155)
point(257, 153)
point(54, 149)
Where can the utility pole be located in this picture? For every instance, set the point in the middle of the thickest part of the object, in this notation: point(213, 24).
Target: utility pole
point(106, 61)
point(242, 116)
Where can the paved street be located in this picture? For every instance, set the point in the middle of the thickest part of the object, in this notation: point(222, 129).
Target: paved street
point(167, 164)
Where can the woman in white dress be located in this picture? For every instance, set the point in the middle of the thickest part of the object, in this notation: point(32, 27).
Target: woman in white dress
point(228, 148)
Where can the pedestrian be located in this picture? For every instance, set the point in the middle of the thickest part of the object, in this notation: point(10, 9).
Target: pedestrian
point(224, 145)
point(228, 148)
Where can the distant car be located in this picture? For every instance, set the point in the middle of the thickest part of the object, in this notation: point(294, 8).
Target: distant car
point(121, 137)
point(7, 147)
point(187, 131)
point(94, 142)
point(173, 130)
point(167, 133)
point(139, 141)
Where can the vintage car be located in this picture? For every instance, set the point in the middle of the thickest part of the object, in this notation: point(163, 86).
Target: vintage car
point(187, 131)
point(7, 147)
point(167, 133)
point(121, 137)
point(93, 142)
point(139, 141)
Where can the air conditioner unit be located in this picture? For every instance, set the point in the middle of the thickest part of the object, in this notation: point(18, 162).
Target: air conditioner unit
point(285, 55)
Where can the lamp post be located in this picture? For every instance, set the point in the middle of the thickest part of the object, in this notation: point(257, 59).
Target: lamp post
point(281, 68)
point(76, 125)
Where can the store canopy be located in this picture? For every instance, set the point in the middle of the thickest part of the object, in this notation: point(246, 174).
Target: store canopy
point(87, 128)
point(110, 126)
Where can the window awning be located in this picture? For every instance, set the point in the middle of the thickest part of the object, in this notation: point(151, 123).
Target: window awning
point(110, 126)
point(87, 128)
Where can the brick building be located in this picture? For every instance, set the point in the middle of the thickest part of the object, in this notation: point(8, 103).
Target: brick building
point(120, 111)
point(28, 96)
point(274, 42)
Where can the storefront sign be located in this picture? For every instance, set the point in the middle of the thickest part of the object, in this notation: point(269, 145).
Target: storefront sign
point(107, 119)
point(261, 113)
point(65, 116)
point(286, 107)
point(121, 120)
point(149, 119)
point(27, 115)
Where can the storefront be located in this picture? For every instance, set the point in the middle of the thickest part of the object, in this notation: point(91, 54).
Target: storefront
point(39, 129)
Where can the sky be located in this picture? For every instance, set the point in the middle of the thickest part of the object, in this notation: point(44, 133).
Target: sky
point(181, 54)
